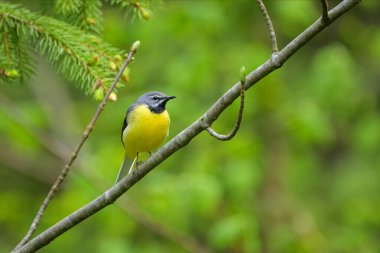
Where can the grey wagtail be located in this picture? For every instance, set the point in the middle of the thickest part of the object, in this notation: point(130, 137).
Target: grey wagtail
point(145, 127)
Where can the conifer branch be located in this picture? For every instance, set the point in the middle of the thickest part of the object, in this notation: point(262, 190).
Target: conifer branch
point(134, 8)
point(14, 60)
point(84, 14)
point(80, 57)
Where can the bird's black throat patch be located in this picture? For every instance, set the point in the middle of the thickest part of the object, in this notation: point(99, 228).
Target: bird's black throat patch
point(157, 109)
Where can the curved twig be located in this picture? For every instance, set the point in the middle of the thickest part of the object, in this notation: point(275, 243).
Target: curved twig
point(229, 136)
point(74, 155)
point(183, 138)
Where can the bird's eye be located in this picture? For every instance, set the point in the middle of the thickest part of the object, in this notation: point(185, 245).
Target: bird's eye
point(155, 98)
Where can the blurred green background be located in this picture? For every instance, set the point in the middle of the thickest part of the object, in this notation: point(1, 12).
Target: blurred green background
point(302, 174)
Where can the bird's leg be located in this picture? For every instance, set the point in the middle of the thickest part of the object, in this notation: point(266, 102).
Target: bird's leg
point(137, 162)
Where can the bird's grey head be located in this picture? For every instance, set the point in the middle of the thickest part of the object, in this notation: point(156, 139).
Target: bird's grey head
point(155, 100)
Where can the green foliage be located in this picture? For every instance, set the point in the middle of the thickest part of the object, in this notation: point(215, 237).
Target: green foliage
point(82, 58)
point(301, 175)
point(15, 44)
point(86, 15)
point(133, 8)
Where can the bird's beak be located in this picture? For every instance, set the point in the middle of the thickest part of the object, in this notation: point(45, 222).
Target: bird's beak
point(165, 99)
point(169, 97)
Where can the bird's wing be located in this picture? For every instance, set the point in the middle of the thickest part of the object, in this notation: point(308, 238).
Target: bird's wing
point(125, 122)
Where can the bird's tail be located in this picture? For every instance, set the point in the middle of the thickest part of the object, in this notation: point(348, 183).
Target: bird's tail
point(125, 165)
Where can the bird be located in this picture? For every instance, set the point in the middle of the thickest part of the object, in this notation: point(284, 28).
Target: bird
point(145, 128)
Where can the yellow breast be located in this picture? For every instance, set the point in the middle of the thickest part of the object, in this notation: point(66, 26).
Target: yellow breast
point(146, 130)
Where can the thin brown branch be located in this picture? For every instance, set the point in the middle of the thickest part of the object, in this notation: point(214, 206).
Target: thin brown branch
point(229, 136)
point(183, 138)
point(325, 11)
point(267, 19)
point(74, 155)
